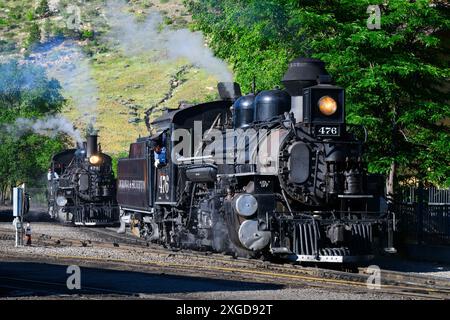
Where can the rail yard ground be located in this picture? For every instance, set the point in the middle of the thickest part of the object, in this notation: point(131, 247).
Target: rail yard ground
point(120, 267)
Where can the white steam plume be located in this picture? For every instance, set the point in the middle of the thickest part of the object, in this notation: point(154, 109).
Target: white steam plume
point(190, 45)
point(133, 37)
point(64, 61)
point(151, 35)
point(50, 126)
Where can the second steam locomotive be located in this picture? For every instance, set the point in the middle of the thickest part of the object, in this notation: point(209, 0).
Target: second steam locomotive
point(82, 187)
point(278, 173)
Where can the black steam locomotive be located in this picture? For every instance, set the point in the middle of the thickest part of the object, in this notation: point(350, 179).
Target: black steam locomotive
point(82, 187)
point(278, 173)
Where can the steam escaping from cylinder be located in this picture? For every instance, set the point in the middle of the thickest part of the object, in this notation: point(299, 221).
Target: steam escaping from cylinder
point(50, 126)
point(221, 241)
point(151, 35)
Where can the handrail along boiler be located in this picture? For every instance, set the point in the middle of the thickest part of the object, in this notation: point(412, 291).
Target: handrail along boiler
point(302, 191)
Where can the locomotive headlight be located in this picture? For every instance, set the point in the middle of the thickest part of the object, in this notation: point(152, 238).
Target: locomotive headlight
point(95, 160)
point(327, 105)
point(246, 205)
point(61, 201)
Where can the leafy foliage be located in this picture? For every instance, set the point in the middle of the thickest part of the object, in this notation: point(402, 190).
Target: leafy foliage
point(34, 35)
point(25, 92)
point(43, 9)
point(395, 77)
point(115, 161)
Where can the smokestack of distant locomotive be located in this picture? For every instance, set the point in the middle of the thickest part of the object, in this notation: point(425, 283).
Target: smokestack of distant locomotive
point(92, 145)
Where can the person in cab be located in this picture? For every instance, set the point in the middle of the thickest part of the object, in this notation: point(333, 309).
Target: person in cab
point(160, 155)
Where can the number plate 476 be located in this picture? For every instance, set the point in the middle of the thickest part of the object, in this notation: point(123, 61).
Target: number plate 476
point(163, 183)
point(327, 130)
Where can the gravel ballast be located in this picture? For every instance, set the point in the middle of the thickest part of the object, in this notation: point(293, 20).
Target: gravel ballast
point(142, 255)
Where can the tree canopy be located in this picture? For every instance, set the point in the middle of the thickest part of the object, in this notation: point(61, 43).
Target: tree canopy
point(25, 92)
point(396, 77)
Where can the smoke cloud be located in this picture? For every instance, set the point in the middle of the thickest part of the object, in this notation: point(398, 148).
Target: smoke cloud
point(64, 61)
point(191, 45)
point(132, 37)
point(151, 35)
point(50, 126)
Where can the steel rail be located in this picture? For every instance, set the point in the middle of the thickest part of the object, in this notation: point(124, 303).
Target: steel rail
point(392, 282)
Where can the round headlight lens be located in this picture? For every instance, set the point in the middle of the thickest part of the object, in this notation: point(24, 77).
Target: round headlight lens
point(61, 201)
point(327, 105)
point(95, 160)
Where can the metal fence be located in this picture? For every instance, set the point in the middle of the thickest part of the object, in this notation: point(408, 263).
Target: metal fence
point(432, 196)
point(424, 215)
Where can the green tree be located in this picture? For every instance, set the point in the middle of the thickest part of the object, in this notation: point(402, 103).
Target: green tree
point(43, 9)
point(253, 36)
point(394, 77)
point(115, 161)
point(30, 15)
point(25, 92)
point(34, 35)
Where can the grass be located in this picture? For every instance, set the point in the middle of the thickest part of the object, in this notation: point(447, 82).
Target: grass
point(200, 86)
point(140, 81)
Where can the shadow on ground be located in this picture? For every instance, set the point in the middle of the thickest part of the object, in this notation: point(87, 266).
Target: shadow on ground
point(35, 215)
point(408, 265)
point(35, 279)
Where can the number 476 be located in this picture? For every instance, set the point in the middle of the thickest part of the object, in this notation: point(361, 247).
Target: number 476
point(163, 183)
point(328, 130)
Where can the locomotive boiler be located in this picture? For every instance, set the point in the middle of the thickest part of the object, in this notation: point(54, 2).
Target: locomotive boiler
point(82, 186)
point(275, 173)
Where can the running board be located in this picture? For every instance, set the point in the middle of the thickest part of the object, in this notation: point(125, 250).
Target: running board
point(332, 259)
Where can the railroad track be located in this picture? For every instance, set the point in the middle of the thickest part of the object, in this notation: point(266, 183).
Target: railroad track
point(362, 274)
point(218, 265)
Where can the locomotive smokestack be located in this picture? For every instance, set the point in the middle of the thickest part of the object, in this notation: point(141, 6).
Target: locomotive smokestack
point(92, 146)
point(302, 73)
point(229, 91)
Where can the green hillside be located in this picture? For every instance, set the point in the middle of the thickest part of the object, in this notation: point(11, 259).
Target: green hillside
point(125, 85)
